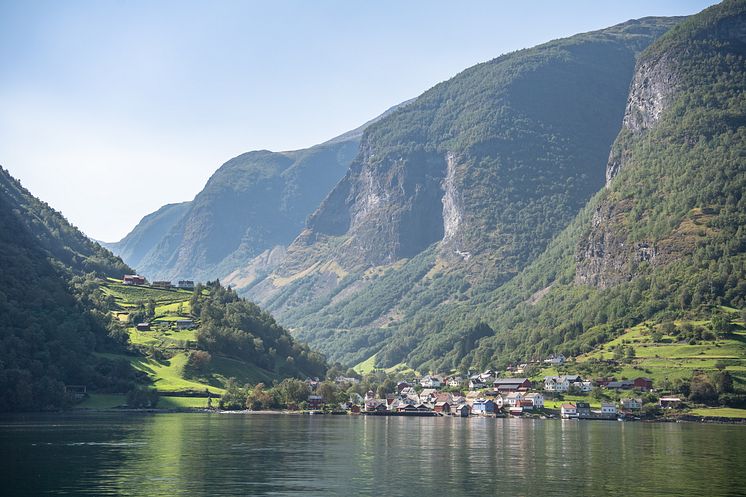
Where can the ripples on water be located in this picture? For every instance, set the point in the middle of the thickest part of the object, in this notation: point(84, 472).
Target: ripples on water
point(221, 455)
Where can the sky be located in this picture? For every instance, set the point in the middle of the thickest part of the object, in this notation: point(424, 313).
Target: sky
point(110, 109)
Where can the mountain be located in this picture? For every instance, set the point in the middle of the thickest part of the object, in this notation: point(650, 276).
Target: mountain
point(148, 232)
point(66, 319)
point(48, 326)
point(253, 204)
point(455, 194)
point(662, 243)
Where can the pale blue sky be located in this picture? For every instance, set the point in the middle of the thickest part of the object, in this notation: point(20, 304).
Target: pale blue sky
point(110, 109)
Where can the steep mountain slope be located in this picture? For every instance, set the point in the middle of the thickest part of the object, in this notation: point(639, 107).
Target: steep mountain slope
point(65, 320)
point(454, 194)
point(47, 329)
point(148, 232)
point(253, 204)
point(664, 240)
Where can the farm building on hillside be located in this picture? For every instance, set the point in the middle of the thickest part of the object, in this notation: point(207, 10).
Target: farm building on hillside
point(133, 279)
point(186, 284)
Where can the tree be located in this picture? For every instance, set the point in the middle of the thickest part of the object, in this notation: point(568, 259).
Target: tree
point(723, 382)
point(702, 390)
point(292, 391)
point(198, 360)
point(328, 391)
point(140, 397)
point(720, 324)
point(259, 398)
point(234, 396)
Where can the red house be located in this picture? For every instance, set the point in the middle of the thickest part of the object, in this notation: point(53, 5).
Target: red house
point(443, 407)
point(643, 383)
point(133, 279)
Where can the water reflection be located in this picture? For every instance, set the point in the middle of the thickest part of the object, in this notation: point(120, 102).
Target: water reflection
point(208, 454)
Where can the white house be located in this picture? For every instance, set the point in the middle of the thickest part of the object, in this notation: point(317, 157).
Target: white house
point(513, 397)
point(428, 395)
point(568, 411)
point(555, 359)
point(537, 399)
point(608, 408)
point(430, 382)
point(455, 381)
point(556, 384)
point(632, 404)
point(563, 383)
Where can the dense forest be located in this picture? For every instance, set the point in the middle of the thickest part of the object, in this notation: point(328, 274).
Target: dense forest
point(50, 320)
point(234, 327)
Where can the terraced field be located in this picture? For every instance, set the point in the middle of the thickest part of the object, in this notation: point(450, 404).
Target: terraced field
point(163, 352)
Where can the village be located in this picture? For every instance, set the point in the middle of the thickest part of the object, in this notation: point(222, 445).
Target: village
point(488, 394)
point(508, 393)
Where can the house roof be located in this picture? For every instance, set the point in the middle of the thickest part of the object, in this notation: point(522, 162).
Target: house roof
point(568, 406)
point(509, 381)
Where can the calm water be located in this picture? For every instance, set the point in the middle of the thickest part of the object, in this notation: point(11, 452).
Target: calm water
point(211, 454)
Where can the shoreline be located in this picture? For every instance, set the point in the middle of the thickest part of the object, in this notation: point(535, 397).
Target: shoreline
point(682, 418)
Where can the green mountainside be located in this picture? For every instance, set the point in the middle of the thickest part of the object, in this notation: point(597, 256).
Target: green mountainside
point(453, 195)
point(49, 327)
point(65, 320)
point(663, 244)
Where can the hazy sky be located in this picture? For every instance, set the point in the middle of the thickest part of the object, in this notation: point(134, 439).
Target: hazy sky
point(110, 109)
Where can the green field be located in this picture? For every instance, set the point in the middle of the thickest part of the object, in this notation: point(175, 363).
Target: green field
point(366, 366)
point(174, 346)
point(721, 412)
point(111, 401)
point(671, 360)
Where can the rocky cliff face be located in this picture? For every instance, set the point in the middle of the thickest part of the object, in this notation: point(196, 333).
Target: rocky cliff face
point(388, 207)
point(653, 88)
point(456, 192)
point(609, 254)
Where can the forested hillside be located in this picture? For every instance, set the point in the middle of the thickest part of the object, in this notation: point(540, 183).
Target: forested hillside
point(50, 323)
point(663, 243)
point(65, 320)
point(453, 195)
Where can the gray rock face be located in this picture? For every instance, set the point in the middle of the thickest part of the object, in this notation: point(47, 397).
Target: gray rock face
point(653, 87)
point(388, 207)
point(605, 257)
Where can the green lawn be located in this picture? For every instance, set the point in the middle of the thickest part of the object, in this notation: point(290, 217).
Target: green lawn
point(111, 401)
point(184, 402)
point(366, 366)
point(571, 399)
point(102, 401)
point(723, 412)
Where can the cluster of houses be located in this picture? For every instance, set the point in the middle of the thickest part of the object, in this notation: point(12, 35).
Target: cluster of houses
point(490, 395)
point(136, 279)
